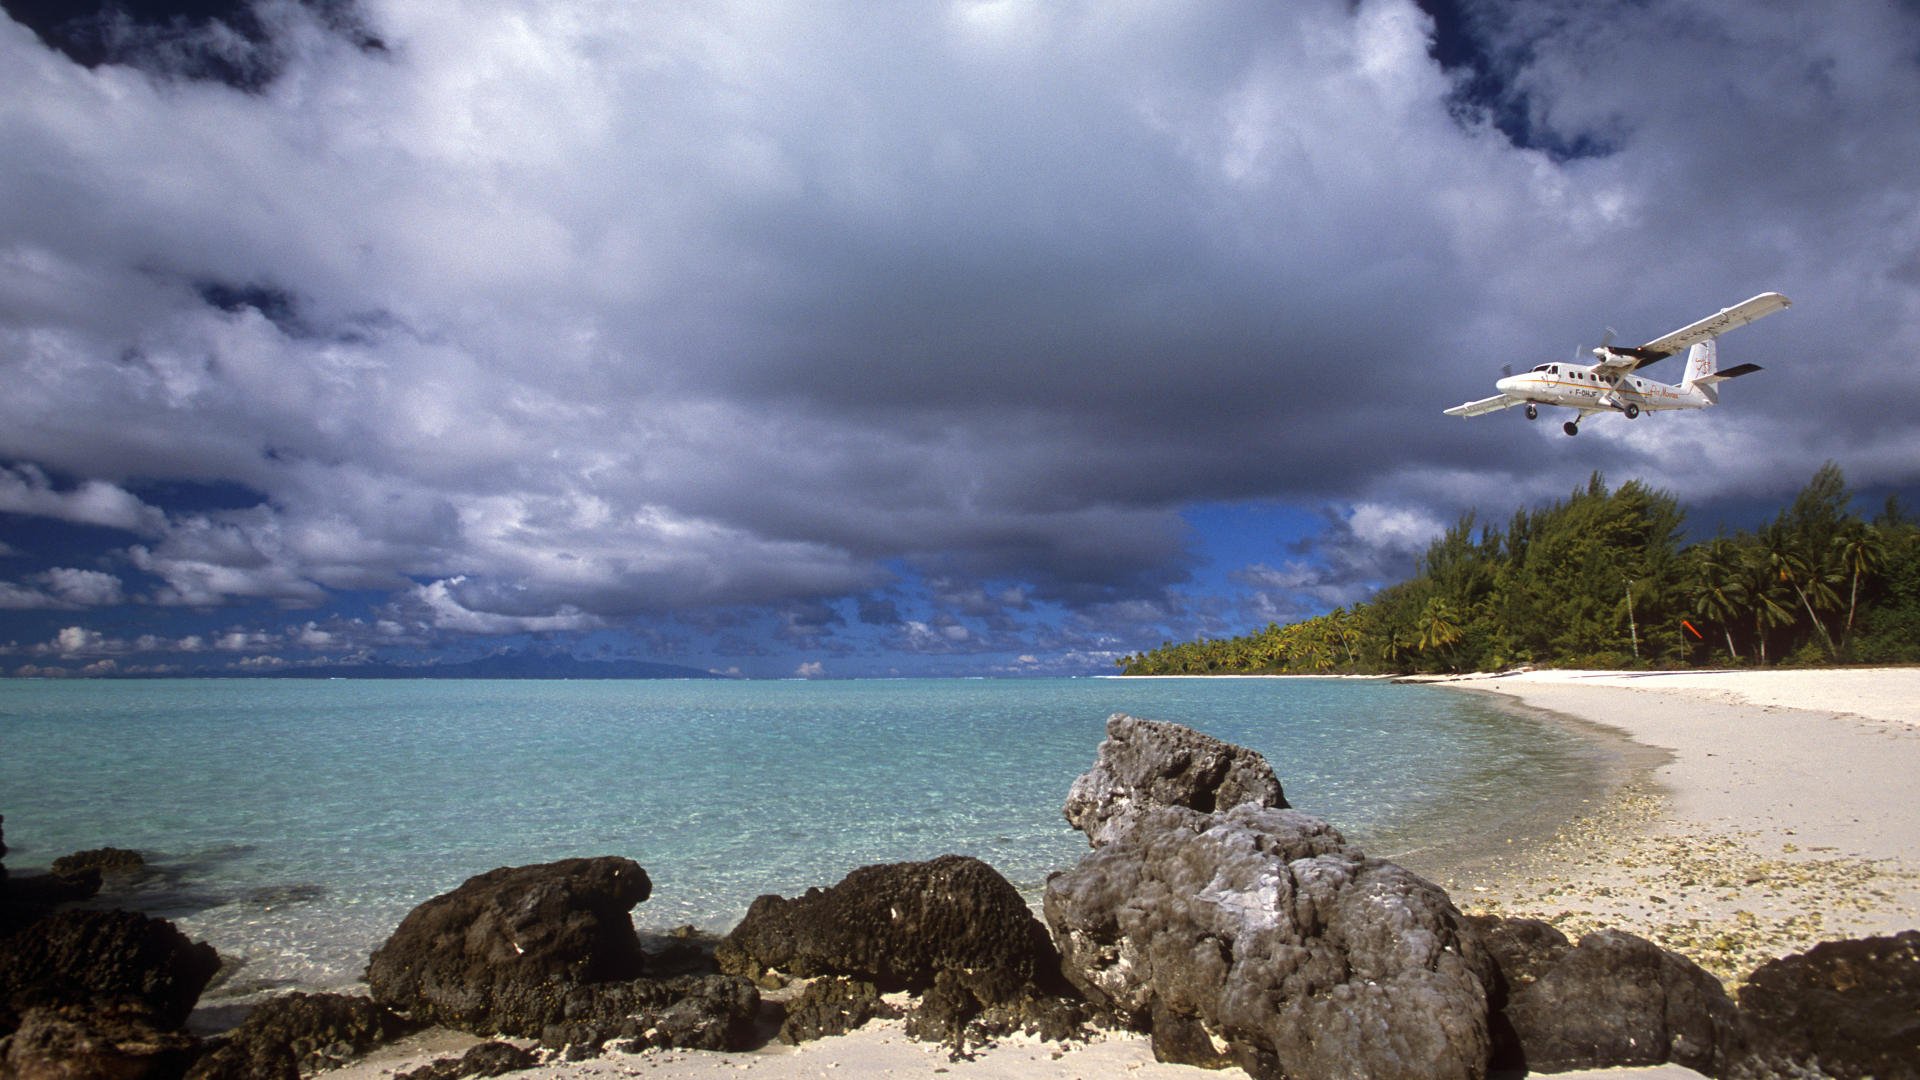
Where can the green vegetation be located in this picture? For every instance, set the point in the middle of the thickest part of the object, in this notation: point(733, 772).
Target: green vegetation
point(1601, 580)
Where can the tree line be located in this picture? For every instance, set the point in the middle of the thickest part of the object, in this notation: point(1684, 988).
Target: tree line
point(1603, 580)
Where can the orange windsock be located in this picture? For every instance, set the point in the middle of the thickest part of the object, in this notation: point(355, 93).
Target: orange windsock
point(1697, 634)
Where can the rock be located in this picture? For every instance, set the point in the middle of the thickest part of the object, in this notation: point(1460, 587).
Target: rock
point(1618, 1000)
point(109, 861)
point(310, 1031)
point(1148, 763)
point(500, 953)
point(86, 958)
point(899, 926)
point(832, 1006)
point(487, 1059)
point(118, 1040)
point(1262, 931)
point(711, 1012)
point(1840, 1009)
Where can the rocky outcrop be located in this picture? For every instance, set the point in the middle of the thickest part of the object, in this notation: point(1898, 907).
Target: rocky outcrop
point(1840, 1009)
point(501, 952)
point(898, 926)
point(301, 1033)
point(1259, 935)
point(1143, 764)
point(118, 1039)
point(831, 1007)
point(486, 1059)
point(689, 1012)
point(1613, 1000)
point(106, 960)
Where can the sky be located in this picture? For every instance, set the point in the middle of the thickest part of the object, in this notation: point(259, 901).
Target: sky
point(850, 340)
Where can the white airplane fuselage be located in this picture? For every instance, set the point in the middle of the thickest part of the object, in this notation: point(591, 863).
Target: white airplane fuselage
point(1576, 386)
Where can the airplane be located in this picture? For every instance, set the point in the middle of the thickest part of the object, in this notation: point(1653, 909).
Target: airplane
point(1611, 386)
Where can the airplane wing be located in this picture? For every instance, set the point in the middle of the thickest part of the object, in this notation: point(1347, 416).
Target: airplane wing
point(1713, 325)
point(1484, 405)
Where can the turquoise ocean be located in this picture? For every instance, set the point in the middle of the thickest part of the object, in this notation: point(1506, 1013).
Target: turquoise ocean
point(294, 822)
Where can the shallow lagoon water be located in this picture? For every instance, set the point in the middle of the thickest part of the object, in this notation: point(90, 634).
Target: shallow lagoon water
point(295, 822)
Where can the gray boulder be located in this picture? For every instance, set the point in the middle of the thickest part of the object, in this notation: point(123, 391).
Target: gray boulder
point(1148, 763)
point(1259, 935)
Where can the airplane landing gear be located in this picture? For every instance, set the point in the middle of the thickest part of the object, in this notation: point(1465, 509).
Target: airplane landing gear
point(1633, 411)
point(1532, 413)
point(1570, 428)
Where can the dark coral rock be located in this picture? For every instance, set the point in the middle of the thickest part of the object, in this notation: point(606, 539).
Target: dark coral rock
point(900, 925)
point(1841, 1009)
point(1144, 764)
point(109, 861)
point(500, 953)
point(832, 1007)
point(120, 1041)
point(79, 957)
point(313, 1031)
point(693, 1012)
point(1617, 1000)
point(1263, 931)
point(486, 1059)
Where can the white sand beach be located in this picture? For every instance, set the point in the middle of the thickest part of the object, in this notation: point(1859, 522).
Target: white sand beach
point(1780, 813)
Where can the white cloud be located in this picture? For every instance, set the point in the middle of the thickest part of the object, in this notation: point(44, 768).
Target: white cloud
point(591, 312)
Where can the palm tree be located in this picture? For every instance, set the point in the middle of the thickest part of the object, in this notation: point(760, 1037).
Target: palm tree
point(1761, 585)
point(1439, 625)
point(1714, 586)
point(1808, 579)
point(1860, 551)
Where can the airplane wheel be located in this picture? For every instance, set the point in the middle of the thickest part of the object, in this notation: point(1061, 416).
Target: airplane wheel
point(1633, 411)
point(1533, 413)
point(1570, 428)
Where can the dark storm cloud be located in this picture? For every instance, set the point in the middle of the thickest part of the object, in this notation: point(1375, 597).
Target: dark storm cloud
point(540, 318)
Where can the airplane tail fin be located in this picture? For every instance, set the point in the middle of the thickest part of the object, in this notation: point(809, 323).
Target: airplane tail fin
point(1701, 362)
point(1704, 375)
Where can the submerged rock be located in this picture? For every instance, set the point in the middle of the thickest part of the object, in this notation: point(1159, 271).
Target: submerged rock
point(500, 953)
point(1143, 764)
point(1840, 1009)
point(109, 861)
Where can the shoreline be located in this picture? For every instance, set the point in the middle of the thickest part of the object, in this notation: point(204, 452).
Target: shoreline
point(1731, 822)
point(1772, 817)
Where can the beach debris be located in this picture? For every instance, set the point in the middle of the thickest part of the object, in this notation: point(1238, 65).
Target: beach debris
point(1615, 999)
point(1842, 1008)
point(1147, 763)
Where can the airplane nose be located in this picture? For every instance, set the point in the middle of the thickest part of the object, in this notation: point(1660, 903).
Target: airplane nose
point(1505, 384)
